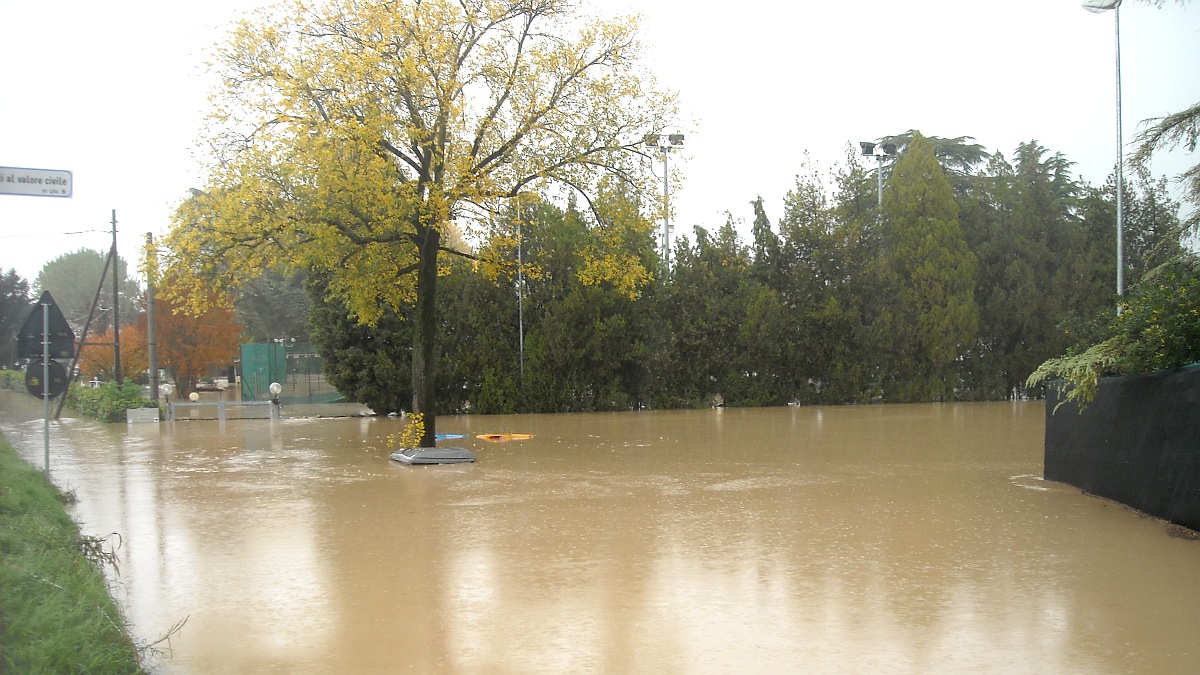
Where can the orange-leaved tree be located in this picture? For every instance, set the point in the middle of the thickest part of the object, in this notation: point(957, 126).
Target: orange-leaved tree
point(96, 357)
point(190, 345)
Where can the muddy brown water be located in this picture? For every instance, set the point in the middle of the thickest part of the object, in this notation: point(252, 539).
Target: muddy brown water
point(901, 539)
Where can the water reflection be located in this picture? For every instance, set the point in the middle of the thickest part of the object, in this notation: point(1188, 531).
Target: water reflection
point(858, 539)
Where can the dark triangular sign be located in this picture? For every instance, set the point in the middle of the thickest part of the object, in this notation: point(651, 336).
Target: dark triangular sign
point(29, 338)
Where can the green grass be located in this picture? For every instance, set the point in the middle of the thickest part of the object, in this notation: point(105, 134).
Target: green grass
point(56, 615)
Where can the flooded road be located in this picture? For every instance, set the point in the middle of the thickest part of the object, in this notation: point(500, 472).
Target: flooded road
point(900, 539)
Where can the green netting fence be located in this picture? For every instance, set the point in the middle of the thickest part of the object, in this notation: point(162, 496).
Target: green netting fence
point(296, 366)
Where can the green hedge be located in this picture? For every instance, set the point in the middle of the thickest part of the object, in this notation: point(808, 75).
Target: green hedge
point(108, 402)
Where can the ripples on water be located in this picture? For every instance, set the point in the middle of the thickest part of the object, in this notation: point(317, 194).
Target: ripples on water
point(904, 539)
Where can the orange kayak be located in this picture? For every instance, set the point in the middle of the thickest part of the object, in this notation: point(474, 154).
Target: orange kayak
point(504, 437)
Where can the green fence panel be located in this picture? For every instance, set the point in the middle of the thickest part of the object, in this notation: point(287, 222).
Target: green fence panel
point(296, 366)
point(262, 364)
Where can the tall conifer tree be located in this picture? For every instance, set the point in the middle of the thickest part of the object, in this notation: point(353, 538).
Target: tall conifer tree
point(929, 274)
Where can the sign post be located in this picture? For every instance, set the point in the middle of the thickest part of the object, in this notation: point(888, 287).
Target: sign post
point(46, 383)
point(46, 335)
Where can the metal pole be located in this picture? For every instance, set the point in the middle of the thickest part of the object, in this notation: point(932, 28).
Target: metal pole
point(1120, 173)
point(46, 385)
point(116, 304)
point(666, 209)
point(879, 171)
point(520, 295)
point(151, 338)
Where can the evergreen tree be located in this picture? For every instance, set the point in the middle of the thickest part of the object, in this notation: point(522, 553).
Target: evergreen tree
point(707, 300)
point(479, 341)
point(930, 277)
point(958, 157)
point(366, 364)
point(1031, 253)
point(854, 360)
point(1153, 232)
point(15, 305)
point(1005, 282)
point(274, 305)
point(766, 248)
point(937, 297)
point(584, 332)
point(762, 376)
point(1171, 131)
point(815, 290)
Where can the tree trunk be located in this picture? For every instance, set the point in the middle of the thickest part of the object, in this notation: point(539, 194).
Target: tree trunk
point(425, 334)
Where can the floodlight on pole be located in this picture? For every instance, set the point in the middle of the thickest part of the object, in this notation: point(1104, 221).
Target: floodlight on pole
point(665, 145)
point(879, 151)
point(1097, 7)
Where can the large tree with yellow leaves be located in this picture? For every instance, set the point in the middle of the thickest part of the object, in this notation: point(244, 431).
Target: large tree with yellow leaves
point(349, 136)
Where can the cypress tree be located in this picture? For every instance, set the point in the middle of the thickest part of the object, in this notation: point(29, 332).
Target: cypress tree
point(929, 275)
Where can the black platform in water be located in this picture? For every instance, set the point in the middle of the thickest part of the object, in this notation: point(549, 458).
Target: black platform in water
point(433, 455)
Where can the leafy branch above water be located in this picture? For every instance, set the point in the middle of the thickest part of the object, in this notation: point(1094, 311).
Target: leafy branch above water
point(1158, 328)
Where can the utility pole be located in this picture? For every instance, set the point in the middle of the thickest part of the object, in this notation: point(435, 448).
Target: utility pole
point(151, 338)
point(116, 303)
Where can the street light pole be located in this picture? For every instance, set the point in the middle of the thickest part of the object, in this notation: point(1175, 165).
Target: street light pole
point(1097, 7)
point(167, 389)
point(520, 295)
point(1120, 164)
point(672, 142)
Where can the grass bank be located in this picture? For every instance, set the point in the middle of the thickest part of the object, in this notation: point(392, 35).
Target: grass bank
point(56, 615)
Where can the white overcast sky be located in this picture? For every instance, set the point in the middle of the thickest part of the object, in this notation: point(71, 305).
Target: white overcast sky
point(114, 92)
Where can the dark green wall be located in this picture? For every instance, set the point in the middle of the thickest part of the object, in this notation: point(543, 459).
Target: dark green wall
point(1137, 443)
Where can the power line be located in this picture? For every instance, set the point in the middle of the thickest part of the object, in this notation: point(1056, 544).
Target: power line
point(50, 234)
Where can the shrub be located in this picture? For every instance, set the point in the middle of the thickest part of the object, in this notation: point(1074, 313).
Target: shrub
point(1158, 328)
point(108, 402)
point(12, 379)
